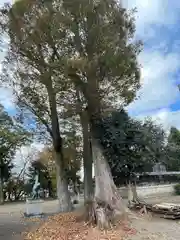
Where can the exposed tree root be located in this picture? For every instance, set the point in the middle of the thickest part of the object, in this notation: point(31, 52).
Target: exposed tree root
point(101, 214)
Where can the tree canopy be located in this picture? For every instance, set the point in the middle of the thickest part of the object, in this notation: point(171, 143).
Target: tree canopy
point(172, 159)
point(131, 146)
point(12, 137)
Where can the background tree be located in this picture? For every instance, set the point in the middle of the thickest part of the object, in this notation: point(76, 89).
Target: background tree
point(12, 137)
point(75, 109)
point(32, 55)
point(39, 168)
point(131, 146)
point(172, 159)
point(45, 162)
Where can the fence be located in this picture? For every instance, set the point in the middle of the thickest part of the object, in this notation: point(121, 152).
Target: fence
point(149, 190)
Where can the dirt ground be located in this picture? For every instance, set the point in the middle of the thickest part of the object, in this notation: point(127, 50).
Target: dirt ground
point(148, 228)
point(156, 228)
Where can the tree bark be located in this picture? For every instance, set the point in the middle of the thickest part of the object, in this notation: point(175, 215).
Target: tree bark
point(50, 189)
point(63, 194)
point(87, 158)
point(1, 193)
point(108, 201)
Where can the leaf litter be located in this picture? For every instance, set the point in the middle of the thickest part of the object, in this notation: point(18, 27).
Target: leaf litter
point(69, 227)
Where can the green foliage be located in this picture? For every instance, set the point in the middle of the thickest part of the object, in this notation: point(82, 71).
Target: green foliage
point(15, 186)
point(173, 150)
point(60, 47)
point(12, 136)
point(103, 39)
point(41, 169)
point(177, 189)
point(130, 146)
point(45, 162)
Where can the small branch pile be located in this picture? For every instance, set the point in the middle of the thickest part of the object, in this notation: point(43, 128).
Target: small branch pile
point(168, 210)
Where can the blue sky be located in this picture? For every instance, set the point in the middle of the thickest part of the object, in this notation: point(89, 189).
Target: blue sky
point(158, 24)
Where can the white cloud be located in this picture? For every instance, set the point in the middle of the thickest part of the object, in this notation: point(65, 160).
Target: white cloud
point(168, 118)
point(157, 21)
point(158, 85)
point(165, 117)
point(154, 12)
point(6, 98)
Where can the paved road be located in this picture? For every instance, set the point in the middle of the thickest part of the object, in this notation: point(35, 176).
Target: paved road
point(12, 224)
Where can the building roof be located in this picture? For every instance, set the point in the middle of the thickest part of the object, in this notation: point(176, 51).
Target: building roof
point(161, 173)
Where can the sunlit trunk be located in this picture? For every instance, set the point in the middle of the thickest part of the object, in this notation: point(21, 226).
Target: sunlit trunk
point(108, 200)
point(63, 194)
point(61, 176)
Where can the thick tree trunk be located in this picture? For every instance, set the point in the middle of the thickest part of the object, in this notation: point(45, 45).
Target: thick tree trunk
point(9, 196)
point(108, 202)
point(1, 193)
point(63, 194)
point(87, 158)
point(62, 183)
point(50, 189)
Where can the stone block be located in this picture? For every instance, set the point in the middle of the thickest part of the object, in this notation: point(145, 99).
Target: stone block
point(34, 207)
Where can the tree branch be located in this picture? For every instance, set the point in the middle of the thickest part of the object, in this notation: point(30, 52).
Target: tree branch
point(43, 121)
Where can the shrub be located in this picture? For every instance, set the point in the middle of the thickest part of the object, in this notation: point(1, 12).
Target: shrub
point(177, 189)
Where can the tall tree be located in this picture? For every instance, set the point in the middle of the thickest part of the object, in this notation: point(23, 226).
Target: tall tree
point(32, 65)
point(104, 54)
point(131, 146)
point(72, 154)
point(75, 109)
